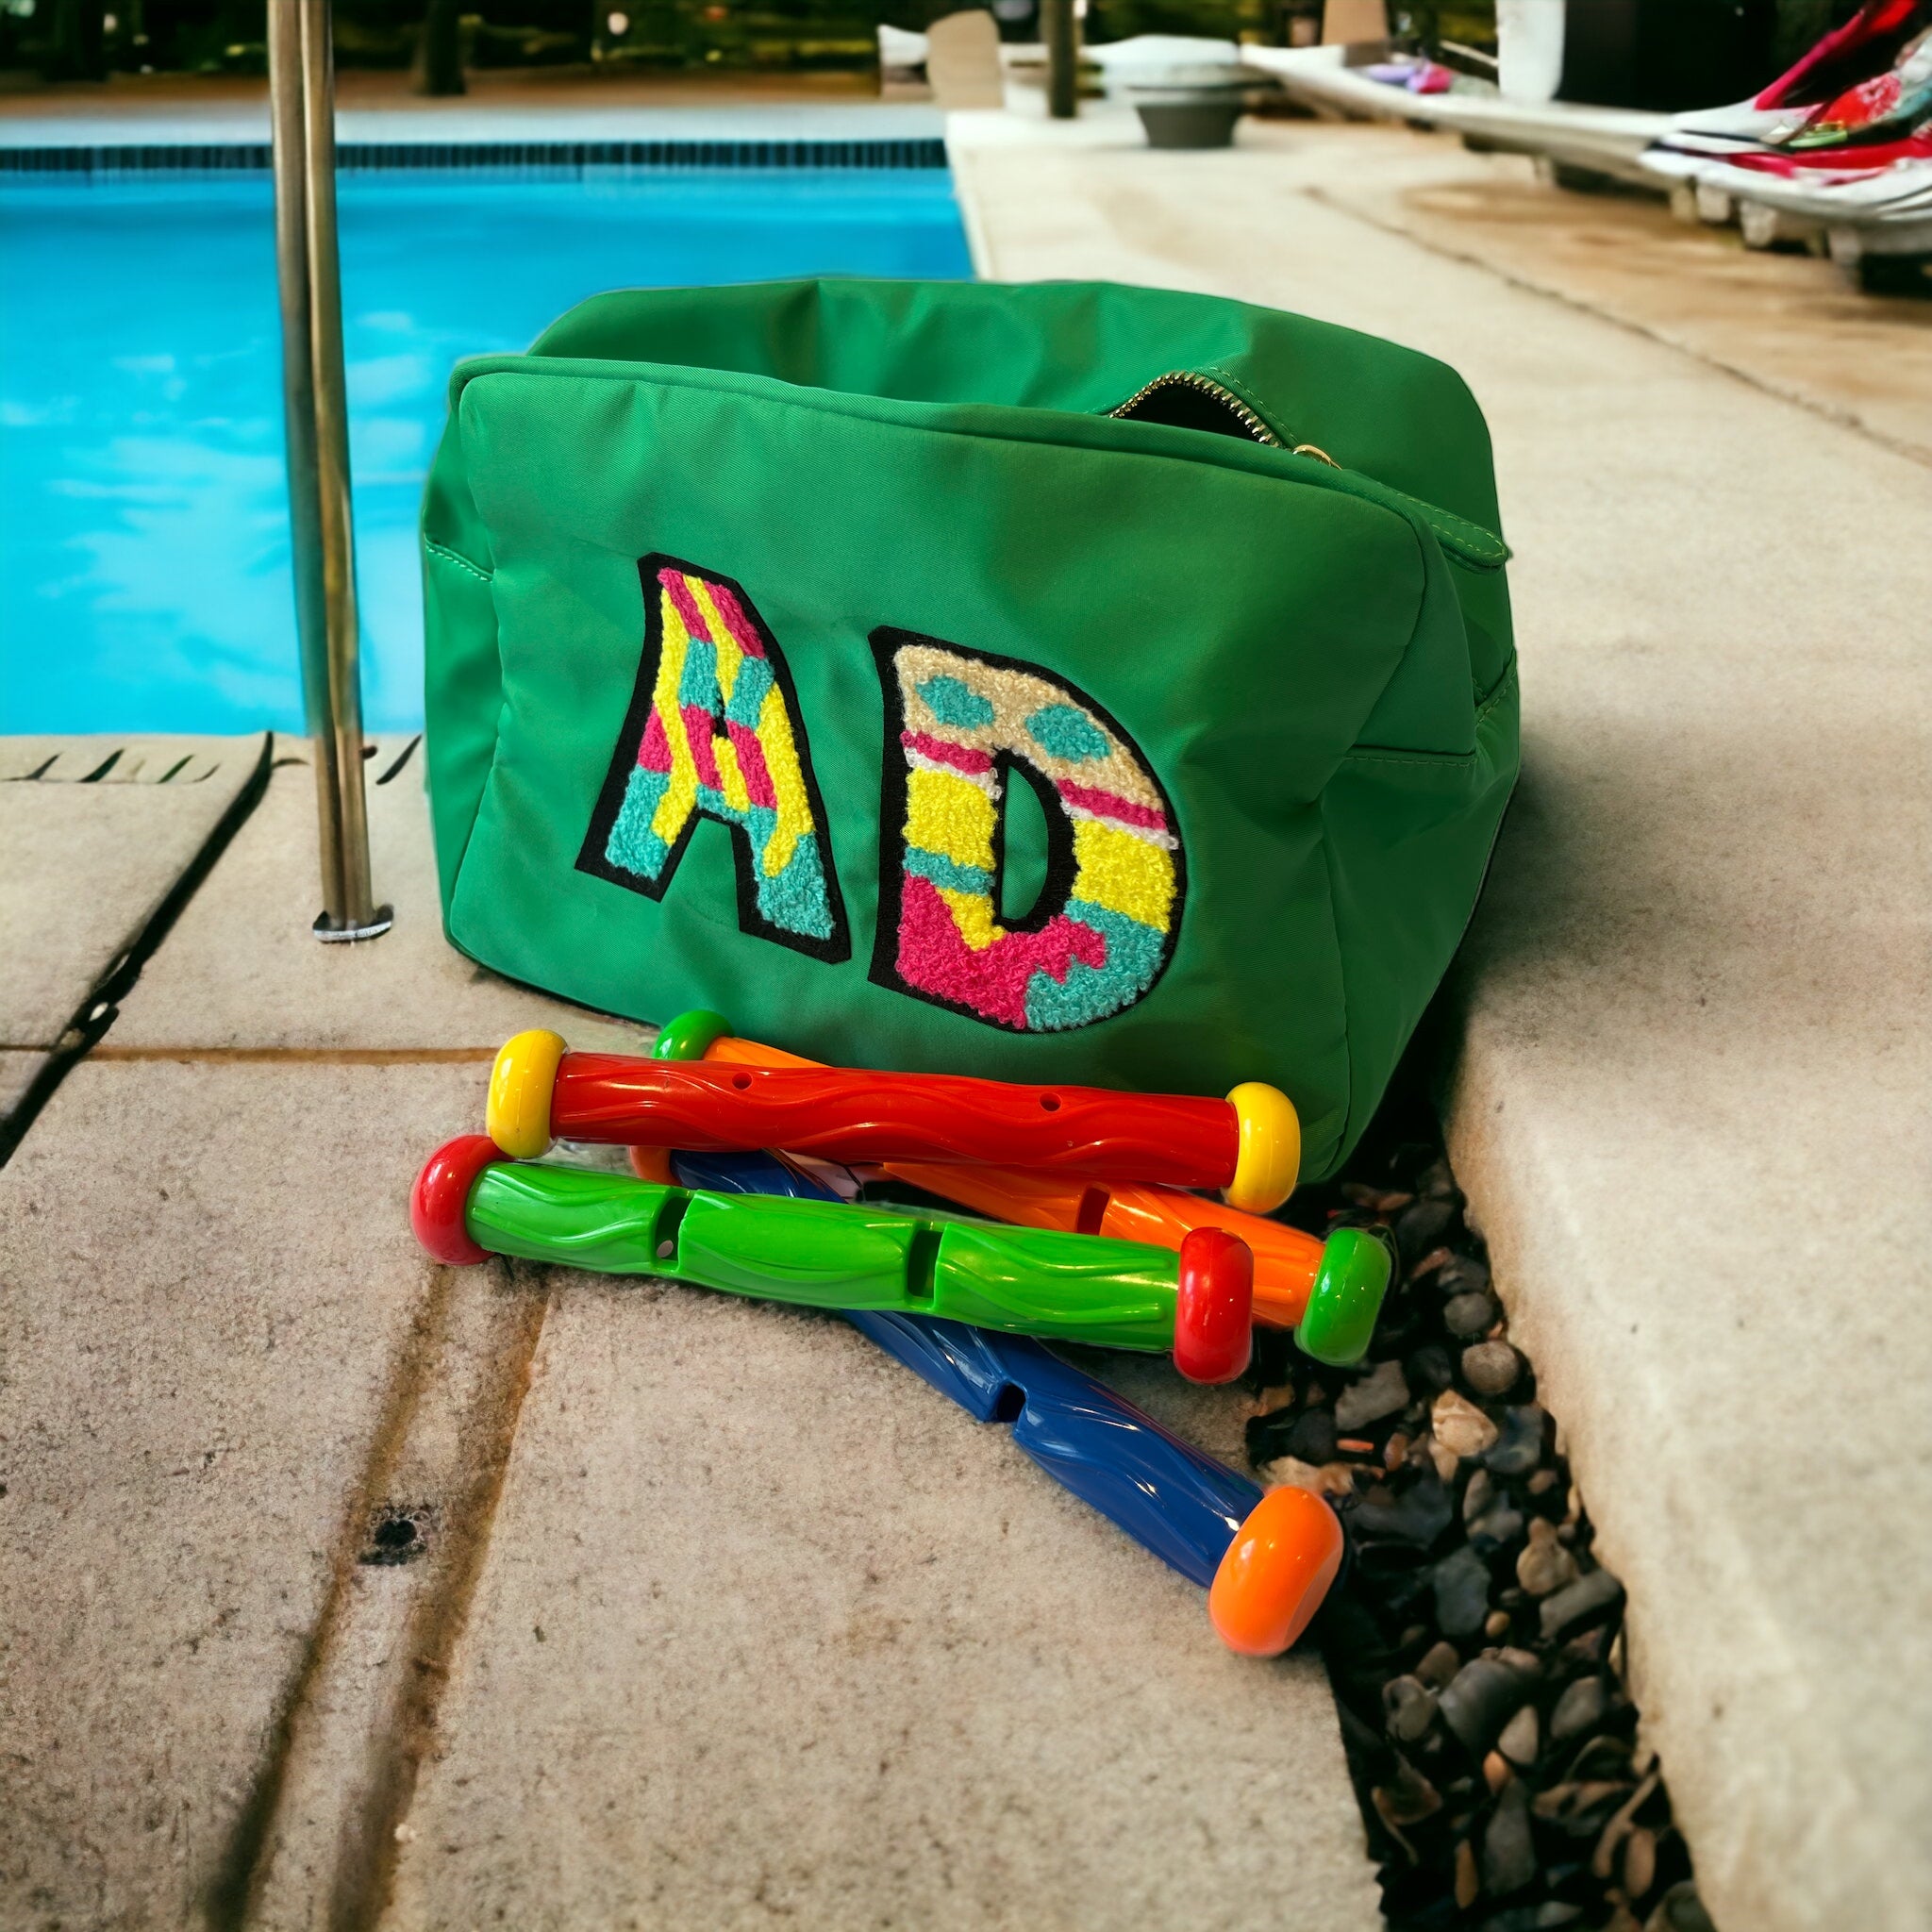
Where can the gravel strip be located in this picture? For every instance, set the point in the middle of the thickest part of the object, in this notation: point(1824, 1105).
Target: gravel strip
point(1475, 1641)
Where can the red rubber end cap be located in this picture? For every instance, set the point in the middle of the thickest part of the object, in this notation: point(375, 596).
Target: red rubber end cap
point(1214, 1309)
point(440, 1201)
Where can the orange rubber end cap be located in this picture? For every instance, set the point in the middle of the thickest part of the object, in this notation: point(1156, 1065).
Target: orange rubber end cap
point(1276, 1574)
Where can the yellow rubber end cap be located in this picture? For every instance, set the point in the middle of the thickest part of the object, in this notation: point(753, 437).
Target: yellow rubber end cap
point(521, 1084)
point(1270, 1160)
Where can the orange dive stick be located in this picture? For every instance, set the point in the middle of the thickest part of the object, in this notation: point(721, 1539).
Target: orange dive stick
point(1286, 1260)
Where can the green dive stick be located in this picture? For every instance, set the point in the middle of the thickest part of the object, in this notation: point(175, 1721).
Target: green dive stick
point(469, 1202)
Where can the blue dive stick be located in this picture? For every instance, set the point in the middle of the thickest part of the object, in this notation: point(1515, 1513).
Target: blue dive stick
point(1167, 1495)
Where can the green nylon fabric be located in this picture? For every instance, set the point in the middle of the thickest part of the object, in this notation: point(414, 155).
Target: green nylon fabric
point(1315, 663)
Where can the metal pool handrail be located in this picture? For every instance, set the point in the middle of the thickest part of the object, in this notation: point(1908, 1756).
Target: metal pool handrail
point(302, 106)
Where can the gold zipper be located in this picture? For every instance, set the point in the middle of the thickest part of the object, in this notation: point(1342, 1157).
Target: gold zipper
point(1257, 426)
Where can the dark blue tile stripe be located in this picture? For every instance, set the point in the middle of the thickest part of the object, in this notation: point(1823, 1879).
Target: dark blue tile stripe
point(568, 157)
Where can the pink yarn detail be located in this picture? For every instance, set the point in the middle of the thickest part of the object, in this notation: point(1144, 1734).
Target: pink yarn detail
point(1110, 805)
point(654, 750)
point(677, 587)
point(742, 629)
point(751, 763)
point(962, 758)
point(992, 983)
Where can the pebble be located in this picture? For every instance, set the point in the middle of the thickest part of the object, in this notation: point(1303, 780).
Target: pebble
point(1496, 1624)
point(1469, 1315)
point(1491, 1368)
point(1521, 1447)
point(1469, 1883)
point(1409, 1797)
point(1542, 1482)
point(1499, 1525)
point(1483, 1696)
point(1681, 1910)
point(1288, 1473)
point(1311, 1437)
point(1475, 1498)
point(1544, 1564)
point(1418, 1514)
point(1460, 1425)
point(1462, 1582)
point(1508, 1853)
point(1639, 1861)
point(1439, 1183)
point(1429, 1368)
point(1495, 1772)
point(1410, 1709)
point(1422, 1226)
point(1291, 1472)
point(1585, 1601)
point(1518, 1741)
point(1579, 1710)
point(1382, 1392)
point(1439, 1665)
point(1462, 1274)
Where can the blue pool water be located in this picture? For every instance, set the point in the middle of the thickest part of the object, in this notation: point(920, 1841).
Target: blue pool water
point(143, 513)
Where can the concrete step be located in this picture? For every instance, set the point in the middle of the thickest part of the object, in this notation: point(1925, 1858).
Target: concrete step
point(212, 1294)
point(768, 1628)
point(95, 835)
point(1690, 1110)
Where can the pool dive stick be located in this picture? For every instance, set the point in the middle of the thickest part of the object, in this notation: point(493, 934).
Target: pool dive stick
point(469, 1202)
point(1248, 1145)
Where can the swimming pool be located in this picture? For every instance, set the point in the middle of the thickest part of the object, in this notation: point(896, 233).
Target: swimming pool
point(143, 513)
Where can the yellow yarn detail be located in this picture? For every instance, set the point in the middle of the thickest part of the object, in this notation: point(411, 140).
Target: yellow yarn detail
point(949, 816)
point(730, 778)
point(972, 914)
point(729, 656)
point(1126, 874)
point(787, 782)
point(681, 792)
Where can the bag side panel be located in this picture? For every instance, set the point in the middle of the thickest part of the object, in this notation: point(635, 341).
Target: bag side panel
point(462, 679)
point(1408, 838)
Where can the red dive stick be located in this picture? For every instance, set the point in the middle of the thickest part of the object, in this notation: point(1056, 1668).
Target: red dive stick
point(1247, 1144)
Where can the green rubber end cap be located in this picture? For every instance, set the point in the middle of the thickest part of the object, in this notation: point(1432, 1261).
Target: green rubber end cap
point(1340, 1320)
point(689, 1037)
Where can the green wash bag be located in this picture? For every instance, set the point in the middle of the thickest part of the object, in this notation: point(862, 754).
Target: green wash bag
point(1059, 682)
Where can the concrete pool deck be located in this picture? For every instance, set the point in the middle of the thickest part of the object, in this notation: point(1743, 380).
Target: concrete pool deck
point(226, 1369)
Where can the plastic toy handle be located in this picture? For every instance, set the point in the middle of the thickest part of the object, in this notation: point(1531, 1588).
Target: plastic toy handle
point(1276, 1574)
point(469, 1202)
point(1086, 1132)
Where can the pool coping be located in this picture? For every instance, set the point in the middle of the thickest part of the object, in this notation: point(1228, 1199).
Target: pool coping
point(461, 127)
point(377, 141)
